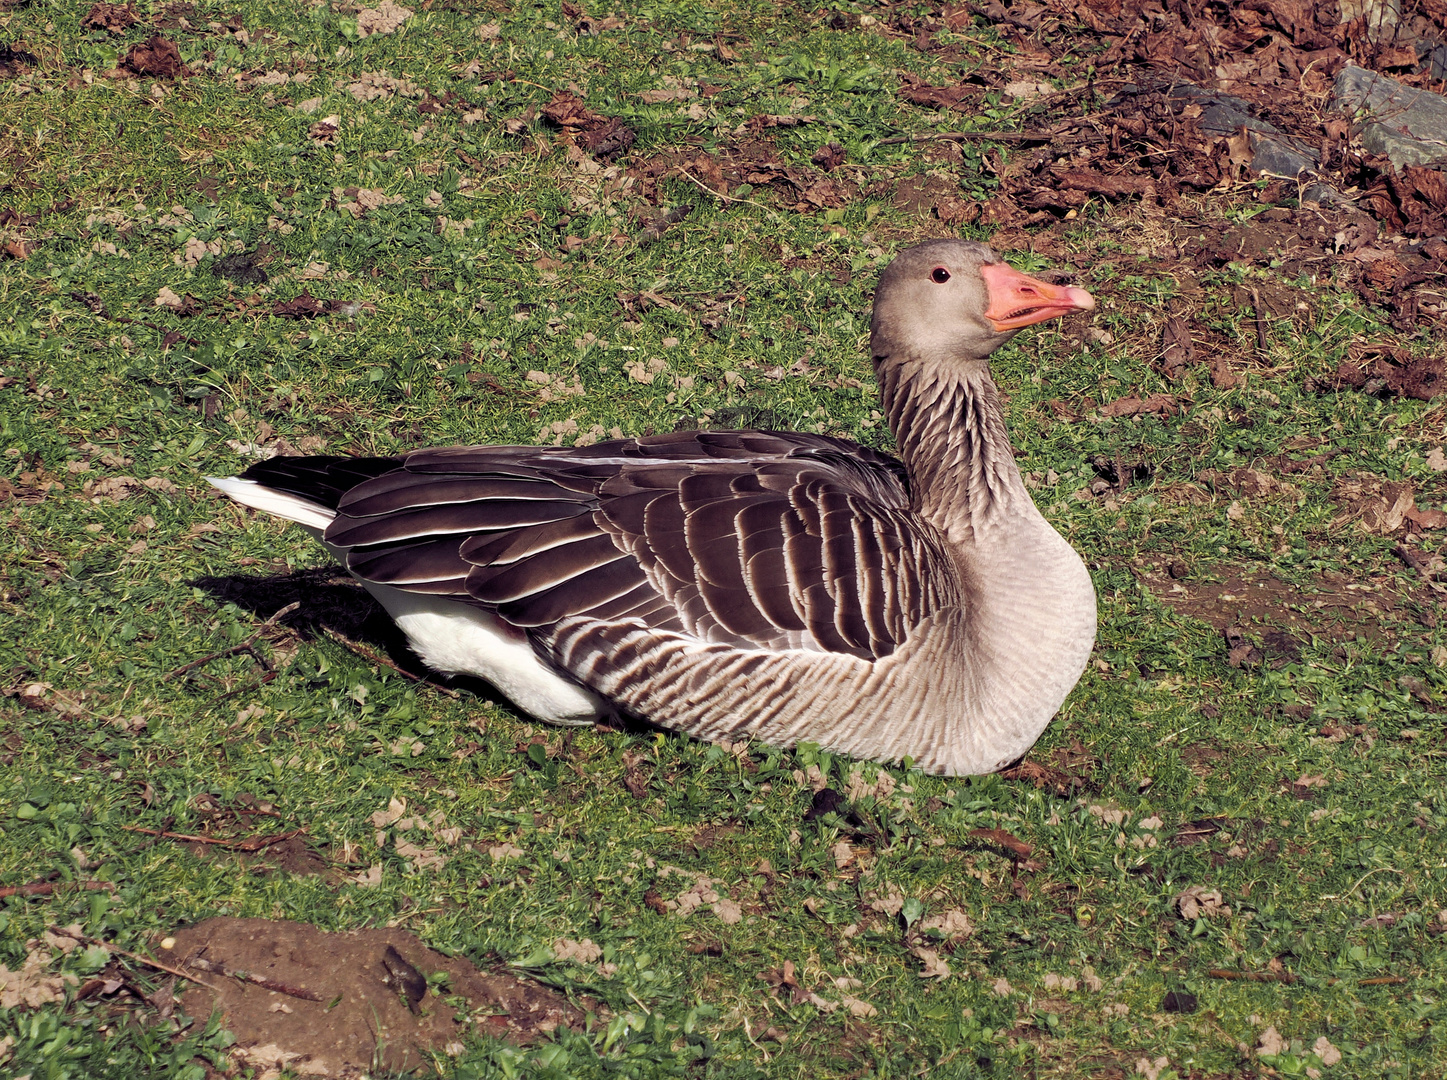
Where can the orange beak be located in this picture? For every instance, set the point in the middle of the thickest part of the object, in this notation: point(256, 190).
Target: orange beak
point(1018, 300)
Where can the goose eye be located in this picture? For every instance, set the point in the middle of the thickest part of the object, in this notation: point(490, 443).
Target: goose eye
point(940, 274)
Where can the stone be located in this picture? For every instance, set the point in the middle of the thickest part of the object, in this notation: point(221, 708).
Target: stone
point(1436, 61)
point(1379, 17)
point(1407, 125)
point(1280, 155)
point(1273, 152)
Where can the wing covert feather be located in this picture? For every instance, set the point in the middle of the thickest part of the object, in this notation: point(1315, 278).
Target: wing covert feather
point(762, 540)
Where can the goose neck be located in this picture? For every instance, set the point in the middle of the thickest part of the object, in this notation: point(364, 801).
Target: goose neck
point(949, 426)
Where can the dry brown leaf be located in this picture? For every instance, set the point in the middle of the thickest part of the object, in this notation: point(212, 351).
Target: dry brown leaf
point(1271, 1043)
point(1177, 351)
point(954, 924)
point(1377, 506)
point(29, 986)
point(1198, 903)
point(660, 97)
point(934, 966)
point(891, 903)
point(1017, 848)
point(1133, 405)
point(324, 132)
point(580, 952)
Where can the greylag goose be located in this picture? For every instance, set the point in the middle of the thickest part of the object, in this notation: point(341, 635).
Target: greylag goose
point(782, 586)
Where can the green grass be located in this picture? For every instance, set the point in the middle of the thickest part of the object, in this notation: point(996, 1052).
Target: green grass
point(101, 619)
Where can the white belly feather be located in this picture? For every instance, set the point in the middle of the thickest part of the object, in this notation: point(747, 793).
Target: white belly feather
point(463, 640)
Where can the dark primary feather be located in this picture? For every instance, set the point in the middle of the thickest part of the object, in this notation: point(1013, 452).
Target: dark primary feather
point(748, 538)
point(323, 479)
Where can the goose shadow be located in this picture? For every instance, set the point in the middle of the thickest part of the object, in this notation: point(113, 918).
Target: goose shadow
point(330, 602)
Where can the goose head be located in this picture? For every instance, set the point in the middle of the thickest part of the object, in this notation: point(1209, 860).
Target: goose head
point(958, 300)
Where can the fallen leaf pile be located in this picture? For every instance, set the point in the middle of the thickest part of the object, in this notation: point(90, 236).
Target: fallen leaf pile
point(156, 58)
point(1198, 903)
point(604, 137)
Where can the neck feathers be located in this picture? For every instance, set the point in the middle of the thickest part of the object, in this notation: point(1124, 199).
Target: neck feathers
point(950, 428)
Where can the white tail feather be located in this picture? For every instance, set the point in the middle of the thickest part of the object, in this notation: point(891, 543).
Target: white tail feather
point(312, 515)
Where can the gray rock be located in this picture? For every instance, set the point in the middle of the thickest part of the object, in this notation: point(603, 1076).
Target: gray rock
point(1273, 152)
point(1381, 17)
point(1324, 195)
point(1436, 61)
point(1221, 114)
point(1407, 125)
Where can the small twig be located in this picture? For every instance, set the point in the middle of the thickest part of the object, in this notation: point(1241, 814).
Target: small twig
point(256, 843)
point(374, 657)
point(1301, 465)
point(138, 958)
point(747, 1032)
point(1417, 561)
point(1260, 320)
point(966, 136)
point(1369, 873)
point(45, 888)
point(268, 677)
point(1414, 559)
point(1210, 828)
point(729, 198)
point(245, 646)
point(1253, 976)
point(265, 984)
point(1383, 980)
point(1017, 850)
point(1180, 731)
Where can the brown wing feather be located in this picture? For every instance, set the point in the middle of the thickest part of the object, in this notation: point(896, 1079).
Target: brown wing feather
point(755, 539)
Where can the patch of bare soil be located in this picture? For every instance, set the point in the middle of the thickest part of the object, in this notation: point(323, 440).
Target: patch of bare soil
point(14, 62)
point(1200, 758)
point(1383, 368)
point(1334, 607)
point(1070, 769)
point(290, 856)
point(113, 18)
point(341, 1005)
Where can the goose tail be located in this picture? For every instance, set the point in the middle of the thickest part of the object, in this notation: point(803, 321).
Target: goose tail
point(282, 504)
point(306, 490)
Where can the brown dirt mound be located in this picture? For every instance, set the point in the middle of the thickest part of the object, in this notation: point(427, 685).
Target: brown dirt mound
point(340, 1005)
